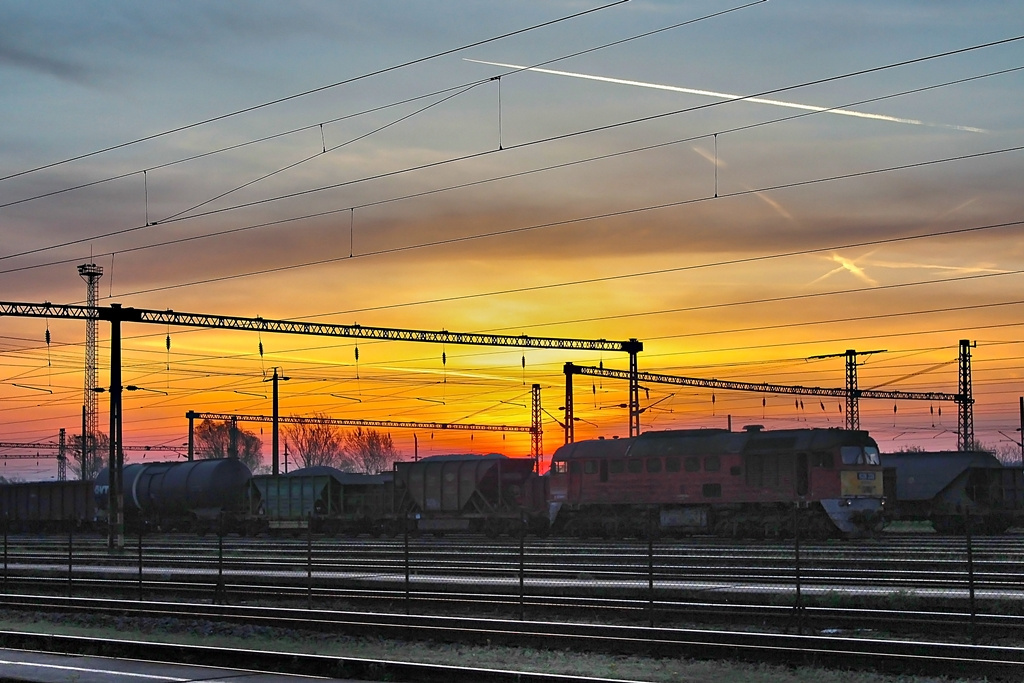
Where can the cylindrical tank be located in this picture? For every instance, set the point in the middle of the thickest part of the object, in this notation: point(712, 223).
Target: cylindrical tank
point(174, 488)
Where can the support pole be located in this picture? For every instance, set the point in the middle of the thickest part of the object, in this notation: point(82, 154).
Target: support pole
point(115, 465)
point(536, 432)
point(84, 453)
point(634, 396)
point(965, 404)
point(1022, 430)
point(62, 457)
point(852, 394)
point(276, 465)
point(191, 434)
point(570, 435)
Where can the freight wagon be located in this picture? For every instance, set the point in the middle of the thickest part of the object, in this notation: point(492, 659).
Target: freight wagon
point(198, 495)
point(48, 506)
point(948, 488)
point(491, 494)
point(323, 500)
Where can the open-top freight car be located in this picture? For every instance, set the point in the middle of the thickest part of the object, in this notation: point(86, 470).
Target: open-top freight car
point(953, 488)
point(747, 483)
point(323, 500)
point(491, 494)
point(48, 506)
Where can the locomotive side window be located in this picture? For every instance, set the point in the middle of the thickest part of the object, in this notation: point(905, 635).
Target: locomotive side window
point(712, 463)
point(672, 464)
point(634, 466)
point(768, 470)
point(654, 465)
point(822, 459)
point(692, 464)
point(802, 476)
point(618, 466)
point(755, 471)
point(590, 467)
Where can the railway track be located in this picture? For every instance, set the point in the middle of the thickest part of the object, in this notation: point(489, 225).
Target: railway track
point(876, 654)
point(902, 585)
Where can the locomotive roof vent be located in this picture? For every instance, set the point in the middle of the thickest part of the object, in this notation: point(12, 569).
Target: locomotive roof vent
point(753, 428)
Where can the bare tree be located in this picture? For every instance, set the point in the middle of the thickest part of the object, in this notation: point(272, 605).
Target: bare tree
point(97, 453)
point(315, 442)
point(215, 440)
point(1008, 453)
point(370, 451)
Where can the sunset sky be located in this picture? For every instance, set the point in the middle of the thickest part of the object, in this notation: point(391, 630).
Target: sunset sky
point(740, 186)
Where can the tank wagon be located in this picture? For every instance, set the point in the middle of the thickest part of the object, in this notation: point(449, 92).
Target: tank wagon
point(945, 487)
point(492, 494)
point(324, 500)
point(717, 481)
point(45, 506)
point(198, 495)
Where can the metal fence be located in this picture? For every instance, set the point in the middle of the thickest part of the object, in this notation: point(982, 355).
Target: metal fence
point(969, 586)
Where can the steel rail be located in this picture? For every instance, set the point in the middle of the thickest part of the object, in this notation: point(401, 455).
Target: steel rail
point(949, 659)
point(273, 663)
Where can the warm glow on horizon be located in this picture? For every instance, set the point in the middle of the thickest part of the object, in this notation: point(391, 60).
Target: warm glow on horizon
point(583, 196)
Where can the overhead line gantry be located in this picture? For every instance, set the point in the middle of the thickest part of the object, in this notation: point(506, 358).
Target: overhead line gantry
point(534, 429)
point(962, 399)
point(115, 314)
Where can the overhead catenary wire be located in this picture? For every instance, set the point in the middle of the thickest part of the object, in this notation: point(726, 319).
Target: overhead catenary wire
point(279, 100)
point(317, 155)
point(564, 136)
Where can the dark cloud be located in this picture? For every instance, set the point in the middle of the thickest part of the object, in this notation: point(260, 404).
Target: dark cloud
point(24, 58)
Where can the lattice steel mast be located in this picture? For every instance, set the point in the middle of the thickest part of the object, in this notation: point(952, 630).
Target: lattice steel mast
point(965, 422)
point(91, 273)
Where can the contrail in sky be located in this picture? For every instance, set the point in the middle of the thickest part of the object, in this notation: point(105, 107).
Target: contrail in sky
point(727, 96)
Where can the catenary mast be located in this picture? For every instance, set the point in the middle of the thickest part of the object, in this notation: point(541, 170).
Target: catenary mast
point(91, 273)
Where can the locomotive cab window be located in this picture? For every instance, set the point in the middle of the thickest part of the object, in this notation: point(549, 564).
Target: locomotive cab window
point(560, 467)
point(857, 455)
